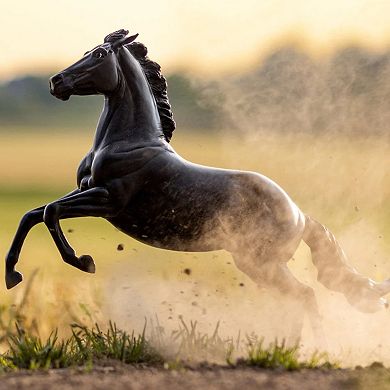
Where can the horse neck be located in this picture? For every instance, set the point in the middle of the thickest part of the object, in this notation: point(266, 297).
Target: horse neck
point(130, 113)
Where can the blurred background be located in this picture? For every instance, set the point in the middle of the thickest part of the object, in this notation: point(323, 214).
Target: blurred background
point(296, 90)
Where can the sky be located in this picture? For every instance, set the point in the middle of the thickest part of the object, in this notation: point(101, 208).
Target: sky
point(205, 36)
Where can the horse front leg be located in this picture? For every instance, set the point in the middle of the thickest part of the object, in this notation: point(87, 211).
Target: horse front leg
point(94, 202)
point(28, 221)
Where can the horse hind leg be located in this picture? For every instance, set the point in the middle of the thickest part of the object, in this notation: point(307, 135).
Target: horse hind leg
point(271, 272)
point(303, 297)
point(335, 274)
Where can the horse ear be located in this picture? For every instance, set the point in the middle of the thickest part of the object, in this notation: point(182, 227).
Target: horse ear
point(124, 41)
point(130, 39)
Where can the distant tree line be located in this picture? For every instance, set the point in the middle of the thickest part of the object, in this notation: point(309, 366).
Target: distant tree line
point(26, 101)
point(288, 91)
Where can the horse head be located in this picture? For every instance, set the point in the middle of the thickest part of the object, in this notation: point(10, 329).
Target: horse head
point(115, 66)
point(97, 72)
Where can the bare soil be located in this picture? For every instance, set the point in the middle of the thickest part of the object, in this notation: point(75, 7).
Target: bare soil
point(117, 376)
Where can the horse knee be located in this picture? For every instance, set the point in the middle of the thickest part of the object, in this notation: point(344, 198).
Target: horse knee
point(49, 214)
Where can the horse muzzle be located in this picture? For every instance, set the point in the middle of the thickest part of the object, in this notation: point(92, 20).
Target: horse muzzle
point(61, 86)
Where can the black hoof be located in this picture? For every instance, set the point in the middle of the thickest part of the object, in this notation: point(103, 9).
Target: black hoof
point(370, 305)
point(13, 278)
point(87, 264)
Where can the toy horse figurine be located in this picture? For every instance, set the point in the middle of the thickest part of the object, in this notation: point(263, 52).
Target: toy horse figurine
point(133, 178)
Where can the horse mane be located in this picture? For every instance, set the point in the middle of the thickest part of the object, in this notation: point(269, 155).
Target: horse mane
point(158, 85)
point(156, 80)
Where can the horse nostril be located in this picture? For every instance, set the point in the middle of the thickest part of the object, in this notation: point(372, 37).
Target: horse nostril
point(56, 79)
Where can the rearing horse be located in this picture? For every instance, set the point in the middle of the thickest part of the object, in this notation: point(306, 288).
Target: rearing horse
point(133, 178)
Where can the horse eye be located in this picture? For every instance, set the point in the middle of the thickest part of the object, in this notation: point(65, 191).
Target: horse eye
point(98, 54)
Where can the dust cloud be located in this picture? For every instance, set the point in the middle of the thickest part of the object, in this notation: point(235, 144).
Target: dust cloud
point(320, 130)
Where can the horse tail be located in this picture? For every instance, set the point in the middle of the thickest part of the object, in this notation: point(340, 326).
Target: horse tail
point(335, 273)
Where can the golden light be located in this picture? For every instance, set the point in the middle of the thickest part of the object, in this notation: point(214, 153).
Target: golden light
point(202, 35)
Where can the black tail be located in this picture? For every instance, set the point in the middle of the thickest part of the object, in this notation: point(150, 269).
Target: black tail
point(335, 274)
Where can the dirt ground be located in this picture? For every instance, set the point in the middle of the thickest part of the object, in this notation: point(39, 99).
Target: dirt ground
point(128, 377)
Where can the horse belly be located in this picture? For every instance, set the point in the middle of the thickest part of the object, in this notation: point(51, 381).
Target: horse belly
point(172, 228)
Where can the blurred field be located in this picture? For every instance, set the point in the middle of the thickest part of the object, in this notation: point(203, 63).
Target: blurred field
point(342, 182)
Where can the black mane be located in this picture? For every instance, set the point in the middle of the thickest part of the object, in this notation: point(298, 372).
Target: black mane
point(158, 85)
point(157, 81)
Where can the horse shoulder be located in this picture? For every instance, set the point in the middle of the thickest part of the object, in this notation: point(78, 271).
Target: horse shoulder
point(112, 164)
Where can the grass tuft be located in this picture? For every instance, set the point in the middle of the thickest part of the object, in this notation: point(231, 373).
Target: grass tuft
point(280, 355)
point(188, 344)
point(193, 343)
point(85, 346)
point(94, 344)
point(30, 352)
point(275, 356)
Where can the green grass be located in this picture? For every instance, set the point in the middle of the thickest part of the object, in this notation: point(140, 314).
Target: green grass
point(280, 355)
point(89, 346)
point(30, 352)
point(190, 343)
point(84, 347)
point(94, 344)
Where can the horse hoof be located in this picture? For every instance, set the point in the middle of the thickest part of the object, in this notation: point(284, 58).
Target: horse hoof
point(13, 278)
point(87, 264)
point(371, 306)
point(383, 288)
